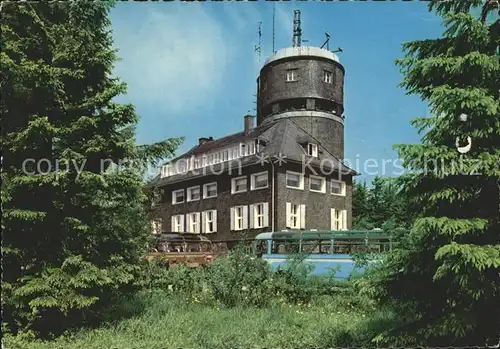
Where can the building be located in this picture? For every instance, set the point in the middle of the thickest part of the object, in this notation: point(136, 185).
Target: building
point(282, 172)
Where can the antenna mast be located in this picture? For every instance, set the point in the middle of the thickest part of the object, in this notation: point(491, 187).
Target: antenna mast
point(327, 41)
point(274, 15)
point(297, 31)
point(258, 47)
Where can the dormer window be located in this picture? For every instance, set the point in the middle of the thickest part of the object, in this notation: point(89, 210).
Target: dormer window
point(312, 150)
point(291, 75)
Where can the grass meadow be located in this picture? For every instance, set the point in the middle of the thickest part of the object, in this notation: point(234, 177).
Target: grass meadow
point(235, 302)
point(162, 320)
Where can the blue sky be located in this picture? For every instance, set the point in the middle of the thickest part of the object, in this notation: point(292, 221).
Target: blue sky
point(191, 67)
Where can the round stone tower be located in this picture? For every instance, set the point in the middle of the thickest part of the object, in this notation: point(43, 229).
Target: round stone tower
point(305, 84)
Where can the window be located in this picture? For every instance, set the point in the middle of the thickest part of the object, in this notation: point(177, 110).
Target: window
point(259, 215)
point(259, 181)
point(193, 193)
point(251, 148)
point(338, 219)
point(178, 223)
point(193, 222)
point(209, 221)
point(291, 75)
point(239, 185)
point(316, 246)
point(157, 226)
point(327, 77)
point(239, 217)
point(235, 153)
point(338, 188)
point(317, 184)
point(210, 190)
point(178, 196)
point(312, 149)
point(294, 180)
point(295, 216)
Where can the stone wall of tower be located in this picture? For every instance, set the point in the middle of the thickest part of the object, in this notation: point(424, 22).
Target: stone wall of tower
point(314, 104)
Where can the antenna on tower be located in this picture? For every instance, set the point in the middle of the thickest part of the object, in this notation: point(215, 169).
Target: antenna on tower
point(327, 41)
point(297, 31)
point(274, 16)
point(258, 47)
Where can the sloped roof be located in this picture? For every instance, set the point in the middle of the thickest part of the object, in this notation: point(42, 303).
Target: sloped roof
point(282, 137)
point(224, 141)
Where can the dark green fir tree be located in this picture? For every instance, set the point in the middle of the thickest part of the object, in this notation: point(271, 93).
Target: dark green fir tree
point(74, 215)
point(443, 280)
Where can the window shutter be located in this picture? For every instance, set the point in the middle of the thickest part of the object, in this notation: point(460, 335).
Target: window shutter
point(172, 223)
point(173, 198)
point(245, 217)
point(215, 220)
point(203, 222)
point(188, 223)
point(266, 214)
point(252, 223)
point(233, 226)
point(288, 214)
point(183, 227)
point(302, 216)
point(344, 219)
point(197, 222)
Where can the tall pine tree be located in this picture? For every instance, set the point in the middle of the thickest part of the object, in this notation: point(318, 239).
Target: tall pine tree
point(443, 280)
point(72, 235)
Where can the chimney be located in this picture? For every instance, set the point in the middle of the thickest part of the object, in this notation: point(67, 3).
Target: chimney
point(203, 140)
point(248, 125)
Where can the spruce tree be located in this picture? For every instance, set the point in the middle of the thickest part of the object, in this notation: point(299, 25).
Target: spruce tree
point(359, 197)
point(443, 279)
point(72, 236)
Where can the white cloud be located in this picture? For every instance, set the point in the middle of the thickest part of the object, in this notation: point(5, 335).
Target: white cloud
point(173, 57)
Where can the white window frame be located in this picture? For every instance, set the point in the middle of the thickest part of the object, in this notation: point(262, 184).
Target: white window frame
point(205, 222)
point(301, 180)
point(233, 185)
point(239, 220)
point(300, 216)
point(254, 176)
point(189, 196)
point(342, 187)
point(327, 76)
point(258, 221)
point(193, 222)
point(312, 150)
point(174, 197)
point(205, 191)
point(338, 219)
point(291, 75)
point(323, 184)
point(177, 223)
